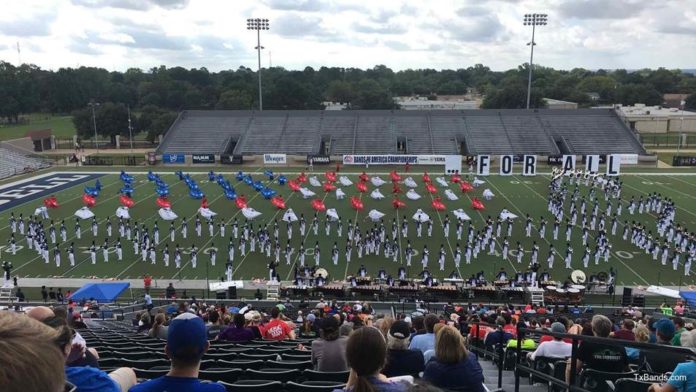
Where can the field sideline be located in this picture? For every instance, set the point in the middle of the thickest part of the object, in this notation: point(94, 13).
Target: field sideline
point(520, 195)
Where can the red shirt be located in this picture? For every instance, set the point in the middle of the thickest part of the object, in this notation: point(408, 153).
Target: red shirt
point(276, 330)
point(511, 329)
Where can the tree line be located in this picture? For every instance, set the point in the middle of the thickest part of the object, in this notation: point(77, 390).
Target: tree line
point(155, 96)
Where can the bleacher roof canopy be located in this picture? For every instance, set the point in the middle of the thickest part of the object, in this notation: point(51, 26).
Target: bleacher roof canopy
point(508, 131)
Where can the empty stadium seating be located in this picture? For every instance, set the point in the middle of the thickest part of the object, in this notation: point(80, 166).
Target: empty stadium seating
point(13, 162)
point(508, 131)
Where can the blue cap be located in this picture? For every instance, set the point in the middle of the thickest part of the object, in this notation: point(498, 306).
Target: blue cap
point(665, 327)
point(186, 330)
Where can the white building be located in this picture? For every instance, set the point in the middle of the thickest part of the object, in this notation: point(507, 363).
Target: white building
point(443, 102)
point(657, 119)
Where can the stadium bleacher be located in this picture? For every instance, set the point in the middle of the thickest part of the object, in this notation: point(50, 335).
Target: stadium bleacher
point(13, 162)
point(507, 131)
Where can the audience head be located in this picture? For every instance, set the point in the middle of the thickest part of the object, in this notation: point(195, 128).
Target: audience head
point(628, 324)
point(31, 359)
point(418, 323)
point(430, 321)
point(558, 328)
point(329, 328)
point(688, 339)
point(449, 345)
point(187, 340)
point(642, 333)
point(275, 312)
point(601, 326)
point(399, 336)
point(40, 313)
point(366, 353)
point(238, 320)
point(664, 330)
point(384, 324)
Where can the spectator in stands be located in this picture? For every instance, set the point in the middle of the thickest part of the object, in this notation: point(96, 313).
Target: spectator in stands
point(664, 331)
point(498, 336)
point(308, 326)
point(20, 295)
point(145, 322)
point(679, 325)
point(170, 292)
point(29, 356)
point(88, 378)
point(661, 361)
point(148, 301)
point(431, 353)
point(329, 351)
point(384, 324)
point(214, 326)
point(59, 295)
point(44, 294)
point(425, 341)
point(679, 309)
point(366, 351)
point(253, 321)
point(159, 330)
point(187, 342)
point(237, 332)
point(642, 335)
point(600, 356)
point(75, 321)
point(683, 378)
point(417, 326)
point(277, 328)
point(453, 367)
point(51, 294)
point(626, 331)
point(80, 355)
point(555, 348)
point(400, 360)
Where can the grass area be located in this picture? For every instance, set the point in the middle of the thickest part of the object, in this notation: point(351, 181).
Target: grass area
point(62, 126)
point(517, 194)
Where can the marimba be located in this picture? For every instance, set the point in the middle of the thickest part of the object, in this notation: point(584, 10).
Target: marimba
point(371, 289)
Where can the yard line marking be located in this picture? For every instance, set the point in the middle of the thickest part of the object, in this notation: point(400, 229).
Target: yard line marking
point(88, 229)
point(483, 249)
point(226, 223)
point(640, 192)
point(680, 180)
point(671, 189)
point(267, 222)
point(355, 222)
point(593, 237)
point(309, 230)
point(449, 244)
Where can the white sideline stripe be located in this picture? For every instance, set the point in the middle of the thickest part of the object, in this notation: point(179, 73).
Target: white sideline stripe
point(282, 172)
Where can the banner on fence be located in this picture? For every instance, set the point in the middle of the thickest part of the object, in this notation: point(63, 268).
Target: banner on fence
point(394, 159)
point(275, 159)
point(683, 160)
point(628, 159)
point(203, 158)
point(172, 158)
point(230, 159)
point(453, 164)
point(319, 159)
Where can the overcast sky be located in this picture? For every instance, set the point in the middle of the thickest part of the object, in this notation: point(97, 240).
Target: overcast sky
point(119, 34)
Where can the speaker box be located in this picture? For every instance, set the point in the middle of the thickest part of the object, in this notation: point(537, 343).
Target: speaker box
point(232, 292)
point(627, 297)
point(639, 301)
point(221, 294)
point(627, 291)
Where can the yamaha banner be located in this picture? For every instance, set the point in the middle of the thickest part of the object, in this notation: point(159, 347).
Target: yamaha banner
point(319, 159)
point(172, 158)
point(203, 158)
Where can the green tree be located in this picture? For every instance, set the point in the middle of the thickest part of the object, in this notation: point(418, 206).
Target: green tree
point(340, 91)
point(155, 121)
point(370, 95)
point(235, 100)
point(690, 102)
point(111, 120)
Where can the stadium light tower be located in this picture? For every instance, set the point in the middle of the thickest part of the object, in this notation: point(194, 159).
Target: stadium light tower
point(258, 25)
point(93, 105)
point(533, 20)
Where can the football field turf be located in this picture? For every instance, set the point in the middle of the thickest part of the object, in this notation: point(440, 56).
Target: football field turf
point(520, 195)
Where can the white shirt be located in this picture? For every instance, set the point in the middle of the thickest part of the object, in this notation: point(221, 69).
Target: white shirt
point(553, 349)
point(148, 299)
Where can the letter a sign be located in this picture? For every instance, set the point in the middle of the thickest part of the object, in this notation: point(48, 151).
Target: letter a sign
point(568, 162)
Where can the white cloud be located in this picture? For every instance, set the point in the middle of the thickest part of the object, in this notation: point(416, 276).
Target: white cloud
point(120, 34)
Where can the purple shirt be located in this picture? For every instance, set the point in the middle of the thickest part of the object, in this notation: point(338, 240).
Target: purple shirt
point(234, 334)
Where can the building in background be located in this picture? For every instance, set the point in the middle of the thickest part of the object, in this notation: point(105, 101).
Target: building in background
point(441, 102)
point(558, 104)
point(657, 119)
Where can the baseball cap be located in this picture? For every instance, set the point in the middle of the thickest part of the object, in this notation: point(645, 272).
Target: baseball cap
point(186, 330)
point(665, 327)
point(400, 330)
point(311, 317)
point(558, 327)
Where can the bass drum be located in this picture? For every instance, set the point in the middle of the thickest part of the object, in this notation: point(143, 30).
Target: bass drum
point(321, 272)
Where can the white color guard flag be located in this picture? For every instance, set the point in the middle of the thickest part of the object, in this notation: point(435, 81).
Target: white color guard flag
point(483, 165)
point(568, 162)
point(613, 165)
point(592, 163)
point(506, 165)
point(529, 165)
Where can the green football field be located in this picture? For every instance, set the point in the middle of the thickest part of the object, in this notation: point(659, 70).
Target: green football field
point(520, 195)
